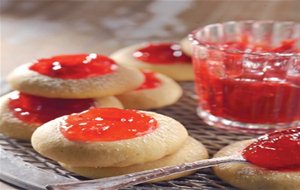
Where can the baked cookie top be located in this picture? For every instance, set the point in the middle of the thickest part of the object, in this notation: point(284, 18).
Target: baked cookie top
point(104, 137)
point(22, 113)
point(274, 162)
point(161, 53)
point(153, 93)
point(75, 76)
point(164, 57)
point(74, 66)
point(151, 81)
point(279, 150)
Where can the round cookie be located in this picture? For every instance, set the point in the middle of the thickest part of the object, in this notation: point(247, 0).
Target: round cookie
point(248, 176)
point(12, 126)
point(119, 80)
point(186, 46)
point(167, 138)
point(153, 93)
point(179, 71)
point(192, 150)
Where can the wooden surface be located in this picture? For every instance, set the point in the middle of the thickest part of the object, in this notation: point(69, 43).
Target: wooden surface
point(40, 28)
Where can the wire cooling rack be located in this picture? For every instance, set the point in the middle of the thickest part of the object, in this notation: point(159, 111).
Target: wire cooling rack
point(183, 111)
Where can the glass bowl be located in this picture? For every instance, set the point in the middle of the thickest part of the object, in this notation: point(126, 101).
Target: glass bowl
point(248, 74)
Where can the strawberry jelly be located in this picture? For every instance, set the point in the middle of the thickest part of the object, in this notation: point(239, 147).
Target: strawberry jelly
point(162, 53)
point(151, 81)
point(279, 150)
point(250, 88)
point(39, 110)
point(107, 124)
point(74, 66)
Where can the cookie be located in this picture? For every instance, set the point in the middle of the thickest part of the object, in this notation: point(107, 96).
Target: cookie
point(157, 91)
point(75, 76)
point(109, 137)
point(248, 176)
point(192, 150)
point(21, 114)
point(163, 57)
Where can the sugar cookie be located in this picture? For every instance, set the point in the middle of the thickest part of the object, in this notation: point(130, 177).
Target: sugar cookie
point(192, 150)
point(164, 57)
point(75, 76)
point(249, 177)
point(109, 137)
point(157, 91)
point(21, 114)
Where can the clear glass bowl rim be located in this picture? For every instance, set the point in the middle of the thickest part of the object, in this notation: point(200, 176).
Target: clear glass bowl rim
point(196, 42)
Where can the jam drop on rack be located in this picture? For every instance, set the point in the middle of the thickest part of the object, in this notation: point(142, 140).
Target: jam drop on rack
point(74, 66)
point(151, 81)
point(279, 150)
point(107, 124)
point(163, 53)
point(39, 110)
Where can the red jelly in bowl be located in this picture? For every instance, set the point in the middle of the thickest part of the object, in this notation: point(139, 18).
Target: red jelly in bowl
point(107, 124)
point(151, 81)
point(162, 53)
point(254, 93)
point(74, 66)
point(39, 110)
point(247, 74)
point(279, 150)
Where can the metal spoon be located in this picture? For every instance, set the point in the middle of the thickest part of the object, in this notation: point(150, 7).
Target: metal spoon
point(122, 181)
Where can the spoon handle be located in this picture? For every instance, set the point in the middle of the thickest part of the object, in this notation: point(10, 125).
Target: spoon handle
point(122, 181)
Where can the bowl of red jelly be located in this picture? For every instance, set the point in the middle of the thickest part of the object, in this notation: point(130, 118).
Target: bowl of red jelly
point(248, 74)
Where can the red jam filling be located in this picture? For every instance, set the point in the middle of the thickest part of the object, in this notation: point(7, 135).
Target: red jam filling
point(39, 110)
point(279, 150)
point(250, 89)
point(107, 124)
point(74, 66)
point(163, 53)
point(151, 81)
point(244, 44)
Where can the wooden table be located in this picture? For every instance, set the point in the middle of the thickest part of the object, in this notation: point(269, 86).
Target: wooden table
point(31, 28)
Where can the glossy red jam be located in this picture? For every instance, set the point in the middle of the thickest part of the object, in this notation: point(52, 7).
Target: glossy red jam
point(151, 81)
point(107, 124)
point(286, 46)
point(39, 110)
point(74, 66)
point(279, 150)
point(249, 88)
point(163, 53)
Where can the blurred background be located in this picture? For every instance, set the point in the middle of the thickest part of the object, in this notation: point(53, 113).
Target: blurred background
point(41, 28)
